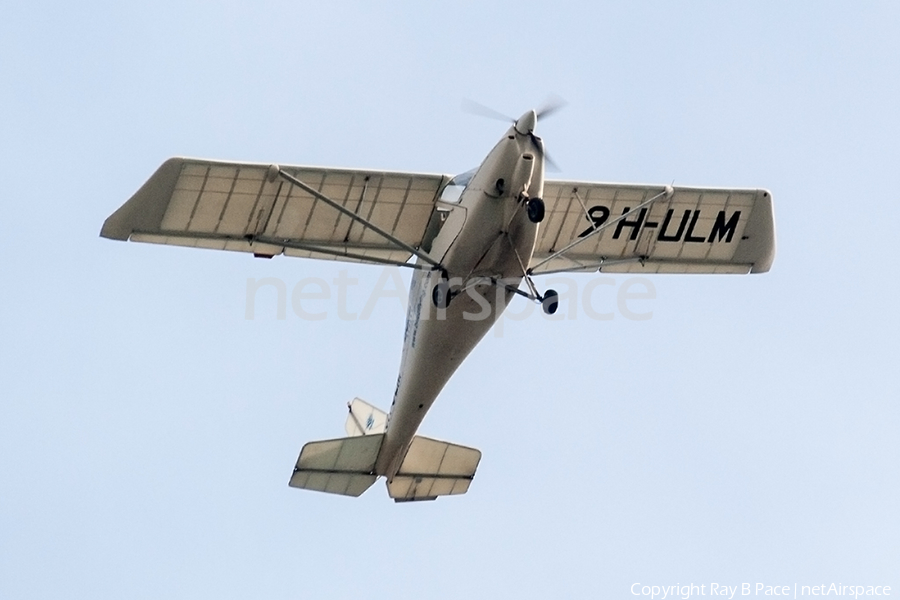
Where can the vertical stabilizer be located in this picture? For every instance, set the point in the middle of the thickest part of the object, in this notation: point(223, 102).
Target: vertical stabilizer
point(364, 419)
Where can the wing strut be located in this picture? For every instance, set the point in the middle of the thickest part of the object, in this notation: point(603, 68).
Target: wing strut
point(667, 193)
point(365, 223)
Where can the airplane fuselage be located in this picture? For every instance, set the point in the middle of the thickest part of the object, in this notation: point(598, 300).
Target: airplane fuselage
point(486, 238)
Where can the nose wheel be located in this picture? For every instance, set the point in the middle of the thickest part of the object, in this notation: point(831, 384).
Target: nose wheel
point(535, 209)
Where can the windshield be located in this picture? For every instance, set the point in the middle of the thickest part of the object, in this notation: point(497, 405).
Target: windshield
point(454, 189)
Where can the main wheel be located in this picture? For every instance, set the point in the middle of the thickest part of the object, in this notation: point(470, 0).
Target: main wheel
point(535, 210)
point(440, 295)
point(550, 302)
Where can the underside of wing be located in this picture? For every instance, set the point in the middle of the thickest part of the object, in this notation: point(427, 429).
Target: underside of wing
point(256, 208)
point(624, 228)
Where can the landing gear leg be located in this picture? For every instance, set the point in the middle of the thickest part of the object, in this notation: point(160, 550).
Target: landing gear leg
point(550, 300)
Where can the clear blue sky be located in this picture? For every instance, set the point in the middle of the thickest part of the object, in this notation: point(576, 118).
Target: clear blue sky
point(748, 432)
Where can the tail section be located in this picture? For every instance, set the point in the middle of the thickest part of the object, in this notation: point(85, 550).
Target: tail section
point(346, 466)
point(364, 419)
point(433, 468)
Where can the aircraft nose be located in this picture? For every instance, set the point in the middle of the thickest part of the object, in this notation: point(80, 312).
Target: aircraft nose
point(526, 123)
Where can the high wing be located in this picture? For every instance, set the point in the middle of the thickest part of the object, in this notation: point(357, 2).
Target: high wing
point(625, 228)
point(263, 209)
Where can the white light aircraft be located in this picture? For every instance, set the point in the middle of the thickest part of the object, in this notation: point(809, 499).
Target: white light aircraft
point(474, 239)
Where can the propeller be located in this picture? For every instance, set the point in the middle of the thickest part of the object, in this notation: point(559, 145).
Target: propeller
point(548, 108)
point(476, 108)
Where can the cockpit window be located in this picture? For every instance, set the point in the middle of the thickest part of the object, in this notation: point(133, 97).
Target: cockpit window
point(454, 189)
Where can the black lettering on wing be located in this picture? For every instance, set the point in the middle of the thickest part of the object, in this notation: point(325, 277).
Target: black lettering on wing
point(598, 216)
point(721, 228)
point(634, 224)
point(665, 237)
point(690, 237)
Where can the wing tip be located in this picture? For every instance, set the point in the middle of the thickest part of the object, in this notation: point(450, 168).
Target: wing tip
point(145, 208)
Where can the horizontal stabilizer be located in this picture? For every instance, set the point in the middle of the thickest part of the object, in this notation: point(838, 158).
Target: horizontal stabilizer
point(364, 419)
point(433, 468)
point(343, 466)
